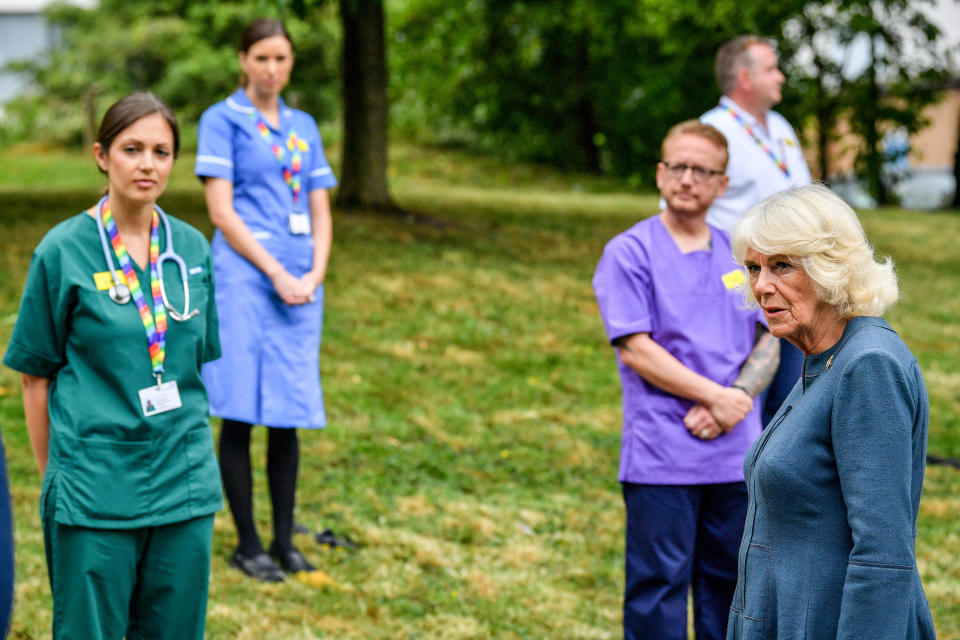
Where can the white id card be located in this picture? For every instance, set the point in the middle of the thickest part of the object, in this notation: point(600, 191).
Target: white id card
point(154, 399)
point(299, 224)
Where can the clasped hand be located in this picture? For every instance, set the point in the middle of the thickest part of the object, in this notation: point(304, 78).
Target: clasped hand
point(724, 411)
point(296, 291)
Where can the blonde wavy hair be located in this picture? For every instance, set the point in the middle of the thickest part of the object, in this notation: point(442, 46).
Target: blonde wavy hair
point(819, 232)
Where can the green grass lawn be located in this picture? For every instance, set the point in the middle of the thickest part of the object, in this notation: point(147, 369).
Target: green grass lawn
point(473, 405)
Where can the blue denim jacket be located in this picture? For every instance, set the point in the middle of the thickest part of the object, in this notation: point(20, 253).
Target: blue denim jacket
point(834, 484)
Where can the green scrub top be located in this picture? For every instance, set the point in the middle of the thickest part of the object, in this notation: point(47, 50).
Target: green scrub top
point(111, 466)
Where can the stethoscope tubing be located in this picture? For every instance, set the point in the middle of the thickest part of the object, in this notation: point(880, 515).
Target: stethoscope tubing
point(122, 295)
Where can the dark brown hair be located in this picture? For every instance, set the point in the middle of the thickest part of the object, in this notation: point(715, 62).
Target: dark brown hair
point(262, 28)
point(127, 110)
point(258, 30)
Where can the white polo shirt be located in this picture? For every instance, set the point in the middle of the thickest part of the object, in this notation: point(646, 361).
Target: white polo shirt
point(754, 174)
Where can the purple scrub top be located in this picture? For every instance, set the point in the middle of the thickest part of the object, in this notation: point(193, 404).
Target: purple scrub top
point(270, 370)
point(689, 304)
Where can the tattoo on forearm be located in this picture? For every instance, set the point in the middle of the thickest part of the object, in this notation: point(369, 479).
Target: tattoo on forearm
point(758, 371)
point(621, 343)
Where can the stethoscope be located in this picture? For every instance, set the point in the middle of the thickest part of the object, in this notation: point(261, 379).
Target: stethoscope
point(120, 292)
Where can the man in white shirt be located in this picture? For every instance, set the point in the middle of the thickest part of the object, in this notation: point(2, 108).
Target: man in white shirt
point(765, 157)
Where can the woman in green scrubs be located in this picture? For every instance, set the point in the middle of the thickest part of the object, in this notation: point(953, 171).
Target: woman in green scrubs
point(110, 349)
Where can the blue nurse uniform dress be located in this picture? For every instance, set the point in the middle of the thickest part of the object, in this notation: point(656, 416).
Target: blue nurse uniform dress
point(269, 373)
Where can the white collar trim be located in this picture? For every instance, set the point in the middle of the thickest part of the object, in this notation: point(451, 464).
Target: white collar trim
point(286, 112)
point(236, 106)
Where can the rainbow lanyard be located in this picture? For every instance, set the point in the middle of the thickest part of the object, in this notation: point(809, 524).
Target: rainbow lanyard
point(763, 145)
point(291, 173)
point(156, 333)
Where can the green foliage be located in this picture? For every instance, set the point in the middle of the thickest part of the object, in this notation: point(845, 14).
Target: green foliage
point(904, 66)
point(893, 90)
point(185, 52)
point(594, 86)
point(578, 84)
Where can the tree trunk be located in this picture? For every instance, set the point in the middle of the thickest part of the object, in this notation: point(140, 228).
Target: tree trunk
point(363, 181)
point(586, 121)
point(825, 119)
point(90, 112)
point(874, 159)
point(956, 173)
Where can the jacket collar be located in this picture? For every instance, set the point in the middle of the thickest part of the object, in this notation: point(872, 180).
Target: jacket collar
point(819, 363)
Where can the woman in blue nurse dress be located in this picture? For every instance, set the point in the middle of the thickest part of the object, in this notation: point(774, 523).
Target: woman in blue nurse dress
point(266, 179)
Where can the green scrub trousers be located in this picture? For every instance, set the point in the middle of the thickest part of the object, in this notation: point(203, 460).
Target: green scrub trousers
point(145, 583)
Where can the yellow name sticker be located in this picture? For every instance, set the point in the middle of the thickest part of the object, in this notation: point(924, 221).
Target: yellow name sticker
point(733, 279)
point(104, 281)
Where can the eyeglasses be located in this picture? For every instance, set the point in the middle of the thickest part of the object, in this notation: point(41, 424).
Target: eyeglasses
point(700, 174)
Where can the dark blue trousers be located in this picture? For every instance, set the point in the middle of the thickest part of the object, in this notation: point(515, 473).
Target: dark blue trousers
point(680, 536)
point(6, 547)
point(791, 366)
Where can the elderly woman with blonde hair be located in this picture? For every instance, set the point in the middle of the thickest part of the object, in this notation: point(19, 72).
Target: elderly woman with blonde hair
point(834, 480)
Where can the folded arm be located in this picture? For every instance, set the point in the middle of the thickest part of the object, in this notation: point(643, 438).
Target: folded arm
point(726, 405)
point(219, 196)
point(761, 365)
point(322, 228)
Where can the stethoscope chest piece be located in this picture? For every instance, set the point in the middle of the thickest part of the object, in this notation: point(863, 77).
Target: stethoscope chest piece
point(120, 293)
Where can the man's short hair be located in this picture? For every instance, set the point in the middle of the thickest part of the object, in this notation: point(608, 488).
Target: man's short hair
point(733, 55)
point(701, 129)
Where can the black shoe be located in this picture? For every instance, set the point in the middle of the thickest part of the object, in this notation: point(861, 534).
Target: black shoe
point(259, 567)
point(300, 529)
point(329, 538)
point(292, 560)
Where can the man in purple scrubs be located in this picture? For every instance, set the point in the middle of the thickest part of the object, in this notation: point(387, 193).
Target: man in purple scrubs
point(691, 362)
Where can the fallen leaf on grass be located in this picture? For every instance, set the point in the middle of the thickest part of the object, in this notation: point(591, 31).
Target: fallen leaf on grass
point(316, 578)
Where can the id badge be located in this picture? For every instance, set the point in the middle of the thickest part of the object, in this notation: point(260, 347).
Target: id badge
point(158, 399)
point(299, 224)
